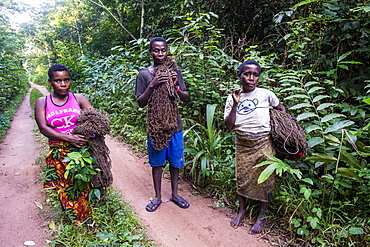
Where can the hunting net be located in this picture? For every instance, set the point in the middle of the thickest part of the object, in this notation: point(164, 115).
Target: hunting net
point(94, 123)
point(288, 136)
point(163, 107)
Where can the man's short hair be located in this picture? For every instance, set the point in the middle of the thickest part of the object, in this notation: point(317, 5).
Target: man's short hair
point(156, 39)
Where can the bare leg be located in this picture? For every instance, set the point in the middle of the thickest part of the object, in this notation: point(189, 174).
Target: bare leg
point(157, 181)
point(175, 182)
point(258, 226)
point(239, 218)
point(176, 198)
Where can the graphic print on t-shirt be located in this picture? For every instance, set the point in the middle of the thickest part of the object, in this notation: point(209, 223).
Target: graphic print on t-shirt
point(247, 106)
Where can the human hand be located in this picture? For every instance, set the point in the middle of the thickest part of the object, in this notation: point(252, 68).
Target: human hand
point(236, 94)
point(159, 79)
point(78, 140)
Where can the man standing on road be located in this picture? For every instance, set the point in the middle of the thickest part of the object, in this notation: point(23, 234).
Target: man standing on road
point(161, 87)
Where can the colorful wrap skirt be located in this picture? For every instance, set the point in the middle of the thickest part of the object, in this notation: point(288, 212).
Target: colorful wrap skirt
point(248, 153)
point(78, 208)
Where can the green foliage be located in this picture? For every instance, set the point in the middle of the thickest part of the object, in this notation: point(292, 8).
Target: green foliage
point(204, 145)
point(13, 82)
point(34, 95)
point(275, 165)
point(113, 224)
point(206, 67)
point(80, 170)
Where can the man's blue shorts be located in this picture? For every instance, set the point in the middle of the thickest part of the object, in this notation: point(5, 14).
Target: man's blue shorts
point(174, 153)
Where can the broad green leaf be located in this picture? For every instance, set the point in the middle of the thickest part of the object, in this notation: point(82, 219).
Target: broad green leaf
point(331, 116)
point(263, 163)
point(311, 128)
point(343, 56)
point(350, 160)
point(351, 62)
point(343, 66)
point(332, 139)
point(310, 83)
point(338, 126)
point(314, 89)
point(86, 154)
point(314, 141)
point(321, 157)
point(286, 36)
point(344, 184)
point(299, 96)
point(367, 101)
point(308, 180)
point(313, 222)
point(296, 222)
point(324, 105)
point(328, 176)
point(66, 173)
point(299, 106)
point(266, 173)
point(75, 155)
point(348, 173)
point(292, 79)
point(292, 89)
point(307, 193)
point(306, 115)
point(304, 3)
point(356, 230)
point(320, 97)
point(87, 160)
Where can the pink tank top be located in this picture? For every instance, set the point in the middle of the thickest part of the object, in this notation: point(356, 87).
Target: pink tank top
point(62, 118)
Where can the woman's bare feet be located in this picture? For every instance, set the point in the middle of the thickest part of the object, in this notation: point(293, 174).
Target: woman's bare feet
point(237, 220)
point(258, 226)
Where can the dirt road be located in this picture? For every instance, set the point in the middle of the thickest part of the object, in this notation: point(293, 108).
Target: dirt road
point(21, 196)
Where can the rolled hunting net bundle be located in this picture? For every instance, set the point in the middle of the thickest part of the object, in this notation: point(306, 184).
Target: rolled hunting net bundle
point(94, 123)
point(163, 107)
point(288, 136)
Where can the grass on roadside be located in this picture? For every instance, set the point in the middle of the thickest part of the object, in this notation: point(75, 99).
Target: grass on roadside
point(113, 222)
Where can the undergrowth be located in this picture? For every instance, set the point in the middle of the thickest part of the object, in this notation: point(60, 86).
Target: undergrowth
point(113, 222)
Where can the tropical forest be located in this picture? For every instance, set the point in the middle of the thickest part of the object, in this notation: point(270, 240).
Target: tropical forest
point(315, 56)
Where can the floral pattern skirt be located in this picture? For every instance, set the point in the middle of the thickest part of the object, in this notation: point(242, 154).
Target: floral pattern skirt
point(78, 209)
point(248, 153)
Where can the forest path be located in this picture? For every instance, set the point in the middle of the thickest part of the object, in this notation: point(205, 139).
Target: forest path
point(169, 225)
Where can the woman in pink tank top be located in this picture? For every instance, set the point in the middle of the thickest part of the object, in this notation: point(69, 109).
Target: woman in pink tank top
point(56, 116)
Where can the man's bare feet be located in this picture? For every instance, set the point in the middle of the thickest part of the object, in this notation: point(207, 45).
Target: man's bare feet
point(237, 220)
point(258, 226)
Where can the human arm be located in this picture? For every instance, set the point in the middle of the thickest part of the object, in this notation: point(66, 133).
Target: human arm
point(280, 107)
point(83, 101)
point(155, 82)
point(146, 83)
point(230, 119)
point(49, 132)
point(181, 88)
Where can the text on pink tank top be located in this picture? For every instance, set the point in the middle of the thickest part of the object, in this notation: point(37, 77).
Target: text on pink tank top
point(62, 118)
